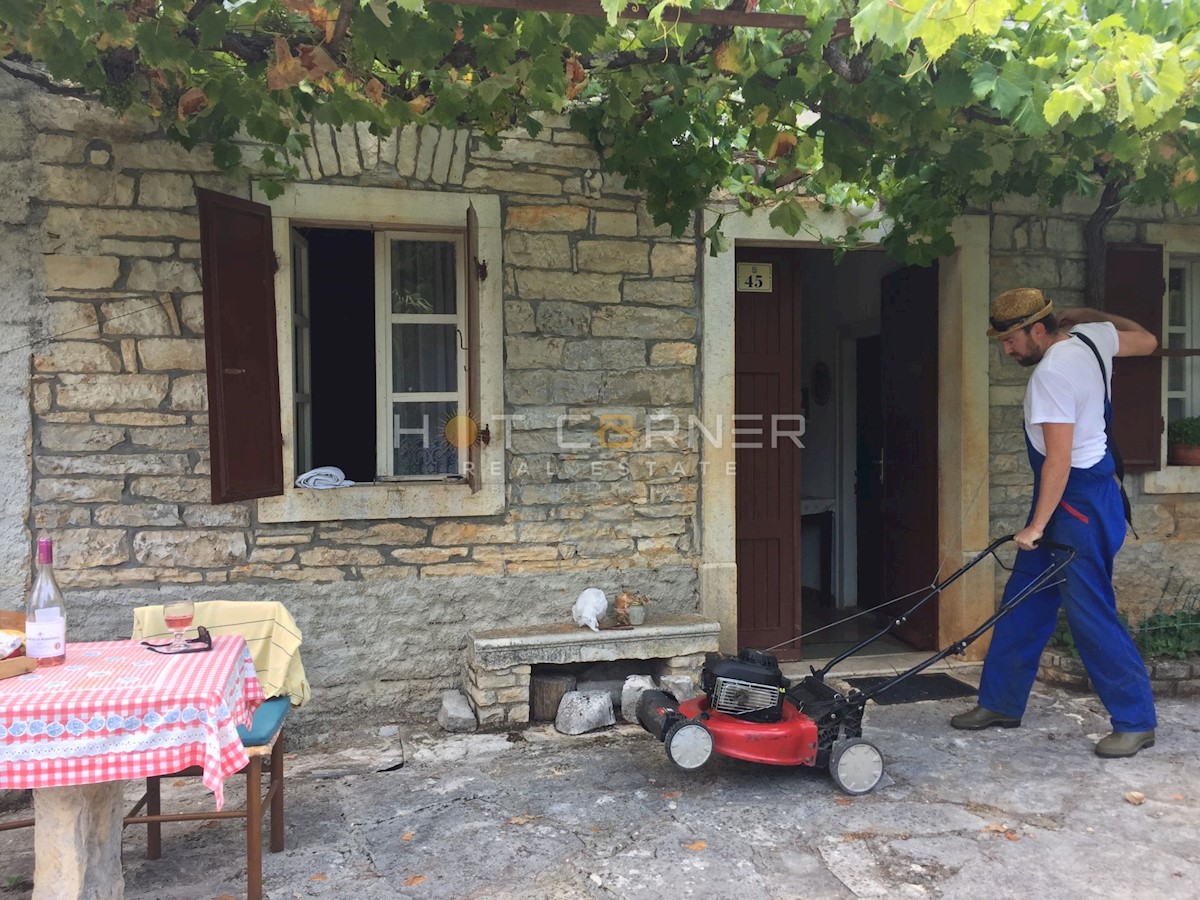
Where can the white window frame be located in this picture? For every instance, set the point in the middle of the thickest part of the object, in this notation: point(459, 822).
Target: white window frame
point(384, 319)
point(384, 209)
point(1179, 243)
point(1188, 334)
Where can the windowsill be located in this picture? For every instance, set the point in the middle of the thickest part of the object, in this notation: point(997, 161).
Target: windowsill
point(1172, 480)
point(420, 500)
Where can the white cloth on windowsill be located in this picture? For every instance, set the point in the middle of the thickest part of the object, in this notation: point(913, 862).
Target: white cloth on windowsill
point(323, 477)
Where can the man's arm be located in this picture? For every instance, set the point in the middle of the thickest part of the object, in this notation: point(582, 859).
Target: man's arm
point(1132, 338)
point(1055, 471)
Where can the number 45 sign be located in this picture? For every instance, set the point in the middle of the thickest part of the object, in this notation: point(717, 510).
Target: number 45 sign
point(754, 277)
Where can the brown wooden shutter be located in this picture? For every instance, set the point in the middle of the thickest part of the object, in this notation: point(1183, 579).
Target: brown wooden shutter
point(1134, 288)
point(476, 272)
point(238, 269)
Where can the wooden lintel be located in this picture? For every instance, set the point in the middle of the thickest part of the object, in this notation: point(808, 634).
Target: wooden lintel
point(726, 17)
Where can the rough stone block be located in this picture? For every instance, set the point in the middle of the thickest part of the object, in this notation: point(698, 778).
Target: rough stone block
point(631, 693)
point(681, 687)
point(582, 712)
point(669, 260)
point(641, 322)
point(539, 284)
point(546, 218)
point(455, 713)
point(69, 272)
point(613, 256)
point(77, 842)
point(191, 549)
point(83, 357)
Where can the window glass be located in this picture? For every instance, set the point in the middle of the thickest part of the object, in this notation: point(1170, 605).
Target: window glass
point(423, 278)
point(424, 358)
point(419, 439)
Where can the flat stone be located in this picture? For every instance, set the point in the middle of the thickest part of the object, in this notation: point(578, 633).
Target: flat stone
point(584, 711)
point(455, 713)
point(565, 642)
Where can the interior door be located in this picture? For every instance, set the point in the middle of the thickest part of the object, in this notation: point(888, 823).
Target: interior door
point(868, 456)
point(767, 386)
point(909, 371)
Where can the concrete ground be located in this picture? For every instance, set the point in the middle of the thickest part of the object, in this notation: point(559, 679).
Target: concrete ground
point(1003, 813)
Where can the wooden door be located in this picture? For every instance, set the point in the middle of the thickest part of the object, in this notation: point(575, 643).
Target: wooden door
point(909, 370)
point(767, 386)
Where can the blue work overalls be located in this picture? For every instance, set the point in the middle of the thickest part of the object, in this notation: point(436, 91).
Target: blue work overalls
point(1091, 519)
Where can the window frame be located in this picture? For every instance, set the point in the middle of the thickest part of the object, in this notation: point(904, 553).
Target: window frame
point(1190, 331)
point(385, 351)
point(413, 212)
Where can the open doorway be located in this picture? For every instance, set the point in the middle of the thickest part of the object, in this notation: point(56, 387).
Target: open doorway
point(861, 528)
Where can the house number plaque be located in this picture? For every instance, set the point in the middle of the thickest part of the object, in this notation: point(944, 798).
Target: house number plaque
point(755, 277)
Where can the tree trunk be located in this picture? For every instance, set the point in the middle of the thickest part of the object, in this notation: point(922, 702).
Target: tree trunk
point(1094, 243)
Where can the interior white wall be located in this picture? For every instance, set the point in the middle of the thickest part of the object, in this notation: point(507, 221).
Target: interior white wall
point(840, 304)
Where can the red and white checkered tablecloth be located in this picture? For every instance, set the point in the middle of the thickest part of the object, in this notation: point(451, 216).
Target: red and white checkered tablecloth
point(116, 710)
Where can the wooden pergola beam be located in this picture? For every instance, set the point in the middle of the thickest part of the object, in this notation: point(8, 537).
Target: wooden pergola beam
point(727, 17)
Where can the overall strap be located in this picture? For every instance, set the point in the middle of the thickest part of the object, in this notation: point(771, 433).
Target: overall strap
point(1118, 463)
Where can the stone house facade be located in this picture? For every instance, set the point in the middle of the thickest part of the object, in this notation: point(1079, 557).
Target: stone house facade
point(589, 311)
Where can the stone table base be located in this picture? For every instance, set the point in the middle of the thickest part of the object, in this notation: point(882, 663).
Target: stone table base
point(77, 842)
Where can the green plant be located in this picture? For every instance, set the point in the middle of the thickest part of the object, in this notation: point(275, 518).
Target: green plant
point(1185, 431)
point(1173, 635)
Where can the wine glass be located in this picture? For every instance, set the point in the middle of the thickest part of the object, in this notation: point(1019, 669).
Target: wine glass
point(178, 616)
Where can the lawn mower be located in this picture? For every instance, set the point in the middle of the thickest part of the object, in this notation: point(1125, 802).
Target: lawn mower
point(749, 710)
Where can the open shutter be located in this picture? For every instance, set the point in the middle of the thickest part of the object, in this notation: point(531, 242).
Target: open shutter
point(238, 269)
point(1134, 288)
point(476, 272)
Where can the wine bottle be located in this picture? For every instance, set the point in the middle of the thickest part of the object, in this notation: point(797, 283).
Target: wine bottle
point(45, 619)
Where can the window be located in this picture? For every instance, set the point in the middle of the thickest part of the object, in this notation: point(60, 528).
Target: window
point(1182, 330)
point(418, 337)
point(389, 336)
point(1158, 285)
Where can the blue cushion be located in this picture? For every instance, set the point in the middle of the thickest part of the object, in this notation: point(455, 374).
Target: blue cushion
point(268, 719)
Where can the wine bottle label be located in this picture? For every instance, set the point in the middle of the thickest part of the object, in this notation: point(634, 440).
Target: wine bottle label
point(44, 639)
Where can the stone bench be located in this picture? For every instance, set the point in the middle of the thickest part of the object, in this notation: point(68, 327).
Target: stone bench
point(500, 662)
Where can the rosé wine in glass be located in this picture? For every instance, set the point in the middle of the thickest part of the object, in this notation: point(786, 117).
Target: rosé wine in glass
point(178, 616)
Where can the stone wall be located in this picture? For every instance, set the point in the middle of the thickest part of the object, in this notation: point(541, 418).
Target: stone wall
point(600, 316)
point(1032, 247)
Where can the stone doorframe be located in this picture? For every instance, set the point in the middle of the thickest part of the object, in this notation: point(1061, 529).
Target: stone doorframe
point(963, 396)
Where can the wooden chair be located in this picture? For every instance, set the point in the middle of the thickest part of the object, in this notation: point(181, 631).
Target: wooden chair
point(263, 741)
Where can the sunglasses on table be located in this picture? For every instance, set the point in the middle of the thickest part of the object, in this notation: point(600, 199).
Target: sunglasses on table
point(199, 644)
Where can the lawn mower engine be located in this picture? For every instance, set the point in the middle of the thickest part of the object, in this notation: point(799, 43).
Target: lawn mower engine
point(750, 711)
point(750, 687)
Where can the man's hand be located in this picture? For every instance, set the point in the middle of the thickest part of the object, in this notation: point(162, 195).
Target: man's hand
point(1027, 537)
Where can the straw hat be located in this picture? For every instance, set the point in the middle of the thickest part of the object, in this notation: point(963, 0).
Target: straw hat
point(1017, 308)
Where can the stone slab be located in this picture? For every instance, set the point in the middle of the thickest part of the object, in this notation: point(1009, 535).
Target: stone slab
point(660, 638)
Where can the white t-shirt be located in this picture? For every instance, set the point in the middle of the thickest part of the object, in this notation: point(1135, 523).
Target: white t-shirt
point(1066, 387)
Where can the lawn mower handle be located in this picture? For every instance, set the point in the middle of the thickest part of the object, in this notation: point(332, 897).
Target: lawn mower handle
point(1052, 570)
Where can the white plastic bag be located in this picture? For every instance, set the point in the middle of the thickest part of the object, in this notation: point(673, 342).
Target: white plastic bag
point(590, 606)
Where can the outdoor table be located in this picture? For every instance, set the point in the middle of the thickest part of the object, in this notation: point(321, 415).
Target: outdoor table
point(116, 710)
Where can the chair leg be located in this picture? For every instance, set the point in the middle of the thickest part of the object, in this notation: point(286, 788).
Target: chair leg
point(277, 795)
point(254, 829)
point(153, 808)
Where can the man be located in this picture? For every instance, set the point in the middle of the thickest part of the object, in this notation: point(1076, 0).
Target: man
point(1076, 501)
